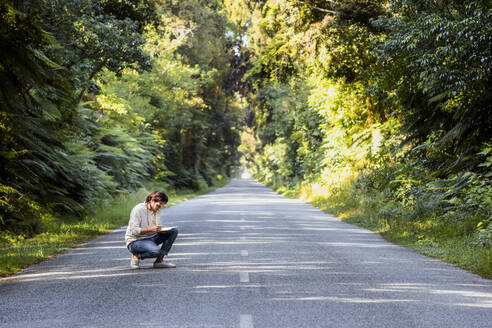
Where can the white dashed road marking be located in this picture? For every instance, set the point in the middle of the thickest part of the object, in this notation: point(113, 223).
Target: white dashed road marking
point(243, 277)
point(245, 321)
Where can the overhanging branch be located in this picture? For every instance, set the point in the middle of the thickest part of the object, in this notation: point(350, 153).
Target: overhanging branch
point(333, 12)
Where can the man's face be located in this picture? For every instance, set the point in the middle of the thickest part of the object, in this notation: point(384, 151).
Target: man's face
point(156, 205)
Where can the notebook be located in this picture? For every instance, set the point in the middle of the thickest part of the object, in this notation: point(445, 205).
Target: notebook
point(165, 229)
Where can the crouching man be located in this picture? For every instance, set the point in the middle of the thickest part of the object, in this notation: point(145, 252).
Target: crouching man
point(144, 233)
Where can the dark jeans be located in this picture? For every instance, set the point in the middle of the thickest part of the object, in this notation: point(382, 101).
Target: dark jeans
point(148, 248)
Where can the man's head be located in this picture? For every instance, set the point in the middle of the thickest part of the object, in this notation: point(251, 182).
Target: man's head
point(156, 200)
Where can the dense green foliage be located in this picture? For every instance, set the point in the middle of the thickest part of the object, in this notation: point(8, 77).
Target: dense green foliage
point(375, 107)
point(100, 97)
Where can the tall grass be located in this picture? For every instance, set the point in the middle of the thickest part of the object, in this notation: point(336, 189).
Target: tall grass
point(59, 235)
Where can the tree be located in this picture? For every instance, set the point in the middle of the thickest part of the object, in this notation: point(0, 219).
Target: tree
point(436, 59)
point(46, 68)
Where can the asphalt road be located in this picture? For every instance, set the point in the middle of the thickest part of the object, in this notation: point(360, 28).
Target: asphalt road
point(248, 257)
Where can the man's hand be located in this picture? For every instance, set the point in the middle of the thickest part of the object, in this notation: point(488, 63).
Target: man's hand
point(156, 228)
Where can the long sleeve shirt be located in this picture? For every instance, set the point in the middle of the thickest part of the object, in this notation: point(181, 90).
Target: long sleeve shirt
point(141, 217)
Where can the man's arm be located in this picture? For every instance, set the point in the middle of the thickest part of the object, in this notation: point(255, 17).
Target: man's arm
point(135, 223)
point(156, 228)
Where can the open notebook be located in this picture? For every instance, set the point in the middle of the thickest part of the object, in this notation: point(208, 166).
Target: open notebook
point(165, 229)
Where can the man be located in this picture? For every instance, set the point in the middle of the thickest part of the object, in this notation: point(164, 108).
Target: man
point(144, 234)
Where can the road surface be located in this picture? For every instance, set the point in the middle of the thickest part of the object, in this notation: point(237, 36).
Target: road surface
point(247, 257)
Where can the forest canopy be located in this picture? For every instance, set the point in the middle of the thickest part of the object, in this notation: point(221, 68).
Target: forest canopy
point(379, 107)
point(99, 97)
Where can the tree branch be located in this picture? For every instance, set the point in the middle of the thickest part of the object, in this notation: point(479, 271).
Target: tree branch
point(320, 9)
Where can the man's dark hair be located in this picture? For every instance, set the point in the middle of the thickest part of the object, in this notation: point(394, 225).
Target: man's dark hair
point(157, 196)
